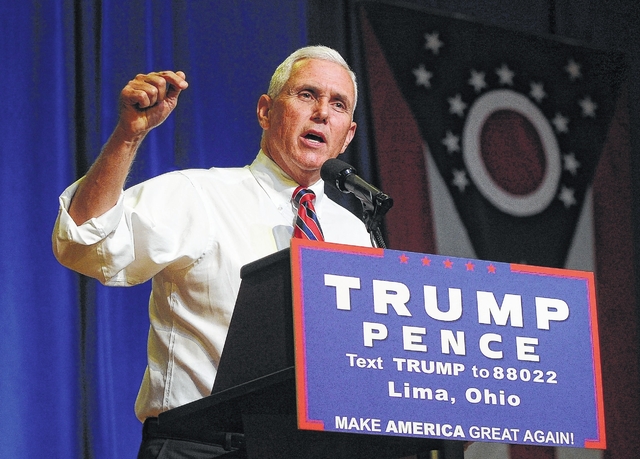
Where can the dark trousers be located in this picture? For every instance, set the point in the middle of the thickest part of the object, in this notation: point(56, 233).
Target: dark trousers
point(157, 444)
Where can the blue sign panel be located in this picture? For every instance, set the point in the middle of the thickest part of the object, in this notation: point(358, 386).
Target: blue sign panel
point(399, 343)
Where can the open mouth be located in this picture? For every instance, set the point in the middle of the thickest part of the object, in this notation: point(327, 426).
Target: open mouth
point(314, 137)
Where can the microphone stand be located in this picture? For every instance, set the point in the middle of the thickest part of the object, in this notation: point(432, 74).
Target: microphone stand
point(373, 211)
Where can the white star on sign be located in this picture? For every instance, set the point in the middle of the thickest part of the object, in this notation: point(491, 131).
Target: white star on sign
point(451, 142)
point(588, 107)
point(423, 76)
point(456, 105)
point(460, 180)
point(567, 197)
point(477, 80)
point(573, 69)
point(571, 164)
point(505, 75)
point(561, 123)
point(537, 92)
point(433, 42)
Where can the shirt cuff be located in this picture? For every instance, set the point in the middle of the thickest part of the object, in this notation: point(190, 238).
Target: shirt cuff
point(91, 231)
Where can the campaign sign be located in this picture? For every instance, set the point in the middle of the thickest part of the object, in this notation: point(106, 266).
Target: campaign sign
point(409, 344)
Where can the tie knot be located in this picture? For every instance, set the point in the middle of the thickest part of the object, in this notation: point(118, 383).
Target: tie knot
point(303, 195)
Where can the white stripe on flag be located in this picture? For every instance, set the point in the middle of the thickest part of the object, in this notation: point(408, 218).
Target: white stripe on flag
point(487, 451)
point(582, 254)
point(450, 234)
point(577, 453)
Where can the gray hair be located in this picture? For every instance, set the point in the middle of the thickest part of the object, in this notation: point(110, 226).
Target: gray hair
point(283, 72)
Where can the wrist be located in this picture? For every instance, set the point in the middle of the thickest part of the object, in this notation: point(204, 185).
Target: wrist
point(126, 135)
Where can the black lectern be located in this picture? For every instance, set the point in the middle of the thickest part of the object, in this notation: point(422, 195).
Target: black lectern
point(254, 391)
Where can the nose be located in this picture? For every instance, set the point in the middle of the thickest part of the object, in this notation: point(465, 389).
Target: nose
point(321, 112)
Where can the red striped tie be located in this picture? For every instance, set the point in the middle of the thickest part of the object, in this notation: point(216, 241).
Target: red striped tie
point(307, 224)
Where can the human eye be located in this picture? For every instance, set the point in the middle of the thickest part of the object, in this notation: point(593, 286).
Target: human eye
point(306, 94)
point(340, 106)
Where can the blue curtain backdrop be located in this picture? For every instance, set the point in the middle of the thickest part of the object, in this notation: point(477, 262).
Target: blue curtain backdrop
point(72, 353)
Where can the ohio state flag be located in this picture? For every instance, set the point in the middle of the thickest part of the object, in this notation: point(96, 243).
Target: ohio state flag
point(513, 123)
point(511, 147)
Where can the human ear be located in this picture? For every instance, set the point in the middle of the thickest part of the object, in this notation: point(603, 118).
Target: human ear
point(350, 133)
point(264, 106)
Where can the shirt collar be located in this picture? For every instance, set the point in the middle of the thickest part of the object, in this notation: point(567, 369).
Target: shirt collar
point(276, 183)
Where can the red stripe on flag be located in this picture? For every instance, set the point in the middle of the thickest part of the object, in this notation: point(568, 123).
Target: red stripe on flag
point(615, 287)
point(531, 452)
point(399, 154)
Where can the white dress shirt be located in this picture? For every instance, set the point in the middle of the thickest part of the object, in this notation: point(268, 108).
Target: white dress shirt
point(191, 232)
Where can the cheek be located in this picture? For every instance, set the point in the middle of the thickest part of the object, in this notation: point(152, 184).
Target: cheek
point(345, 133)
point(287, 120)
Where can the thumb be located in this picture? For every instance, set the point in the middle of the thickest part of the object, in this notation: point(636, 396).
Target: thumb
point(177, 85)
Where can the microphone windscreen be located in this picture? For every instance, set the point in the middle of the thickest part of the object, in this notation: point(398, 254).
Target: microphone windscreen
point(332, 168)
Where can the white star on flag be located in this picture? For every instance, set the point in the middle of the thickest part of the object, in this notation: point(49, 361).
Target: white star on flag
point(477, 80)
point(505, 75)
point(537, 92)
point(456, 105)
point(588, 107)
point(433, 42)
point(460, 179)
point(567, 197)
point(573, 69)
point(571, 164)
point(451, 141)
point(423, 76)
point(561, 123)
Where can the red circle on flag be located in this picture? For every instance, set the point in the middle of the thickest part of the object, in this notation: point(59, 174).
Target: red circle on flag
point(512, 152)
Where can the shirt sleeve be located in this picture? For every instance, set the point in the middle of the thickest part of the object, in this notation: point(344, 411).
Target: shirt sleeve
point(156, 224)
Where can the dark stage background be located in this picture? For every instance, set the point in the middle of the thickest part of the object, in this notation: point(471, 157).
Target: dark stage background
point(72, 352)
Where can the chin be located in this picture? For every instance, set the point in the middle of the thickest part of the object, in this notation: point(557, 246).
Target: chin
point(311, 161)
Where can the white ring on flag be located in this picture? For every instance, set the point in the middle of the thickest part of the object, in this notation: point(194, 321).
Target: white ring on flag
point(521, 206)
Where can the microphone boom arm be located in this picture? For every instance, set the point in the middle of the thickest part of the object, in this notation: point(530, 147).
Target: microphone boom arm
point(375, 203)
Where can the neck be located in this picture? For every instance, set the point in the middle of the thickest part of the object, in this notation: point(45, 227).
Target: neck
point(301, 177)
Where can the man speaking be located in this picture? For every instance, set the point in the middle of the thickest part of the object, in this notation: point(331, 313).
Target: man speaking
point(191, 231)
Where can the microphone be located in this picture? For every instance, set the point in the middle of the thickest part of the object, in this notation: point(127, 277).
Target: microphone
point(343, 176)
point(375, 203)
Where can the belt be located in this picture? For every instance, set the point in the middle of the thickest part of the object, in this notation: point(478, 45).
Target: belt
point(230, 441)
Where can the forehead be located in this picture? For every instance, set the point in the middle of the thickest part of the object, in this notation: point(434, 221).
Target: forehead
point(324, 75)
